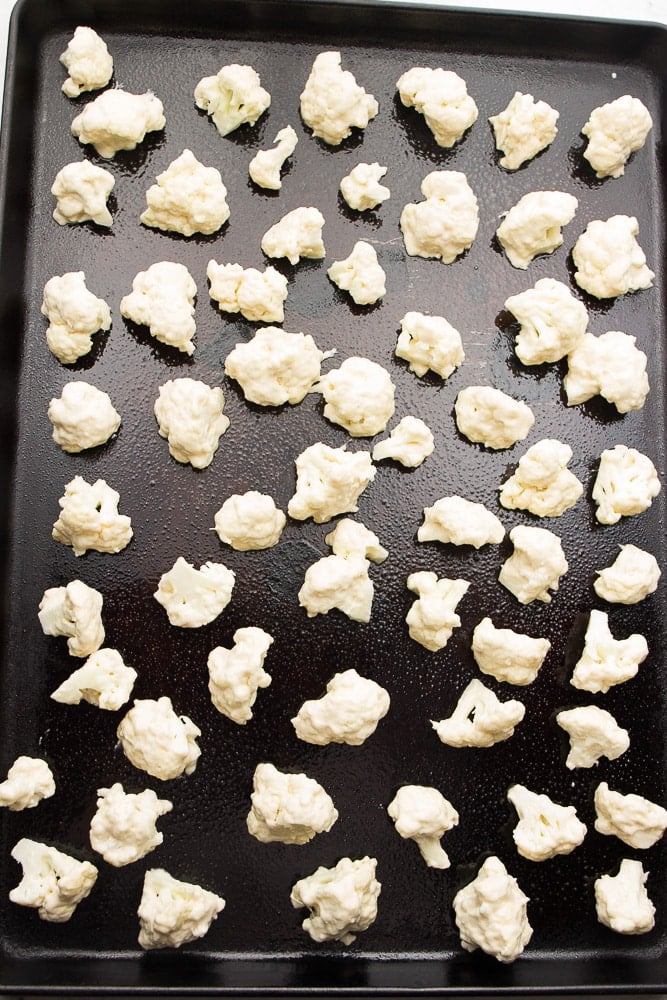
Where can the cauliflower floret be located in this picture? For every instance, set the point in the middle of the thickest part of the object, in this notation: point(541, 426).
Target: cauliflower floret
point(289, 808)
point(88, 62)
point(265, 166)
point(194, 597)
point(163, 299)
point(189, 415)
point(553, 322)
point(424, 815)
point(332, 102)
point(258, 296)
point(542, 482)
point(348, 713)
point(635, 820)
point(631, 577)
point(233, 97)
point(89, 518)
point(74, 315)
point(523, 129)
point(236, 674)
point(352, 538)
point(608, 259)
point(489, 416)
point(249, 521)
point(491, 913)
point(614, 131)
point(54, 883)
point(533, 226)
point(342, 900)
point(172, 913)
point(594, 733)
point(410, 442)
point(507, 655)
point(298, 234)
point(361, 188)
point(625, 485)
point(81, 190)
point(606, 661)
point(460, 522)
point(74, 611)
point(545, 828)
point(117, 120)
point(536, 565)
point(83, 417)
point(275, 367)
point(446, 223)
point(28, 781)
point(358, 396)
point(329, 481)
point(429, 342)
point(188, 198)
point(360, 274)
point(622, 902)
point(610, 365)
point(432, 617)
point(442, 97)
point(123, 829)
point(104, 680)
point(338, 582)
point(157, 740)
point(479, 719)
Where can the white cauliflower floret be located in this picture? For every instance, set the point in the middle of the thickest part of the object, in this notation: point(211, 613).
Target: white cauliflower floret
point(236, 674)
point(265, 166)
point(258, 296)
point(81, 190)
point(158, 741)
point(74, 315)
point(342, 900)
point(233, 97)
point(189, 415)
point(360, 274)
point(83, 417)
point(614, 131)
point(163, 299)
point(446, 223)
point(491, 913)
point(88, 62)
point(329, 481)
point(297, 234)
point(117, 120)
point(352, 538)
point(545, 828)
point(348, 713)
point(424, 815)
point(635, 820)
point(123, 829)
point(289, 808)
point(523, 129)
point(622, 902)
point(332, 102)
point(490, 417)
point(89, 518)
point(606, 661)
point(533, 226)
point(358, 396)
point(338, 582)
point(361, 188)
point(275, 367)
point(632, 576)
point(75, 611)
point(410, 442)
point(442, 97)
point(249, 521)
point(625, 485)
point(53, 883)
point(479, 719)
point(104, 680)
point(608, 259)
point(536, 565)
point(429, 343)
point(594, 733)
point(610, 365)
point(172, 913)
point(460, 522)
point(542, 482)
point(432, 617)
point(194, 597)
point(553, 322)
point(188, 198)
point(507, 655)
point(28, 781)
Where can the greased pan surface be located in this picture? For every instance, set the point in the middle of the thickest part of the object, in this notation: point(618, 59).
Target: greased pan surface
point(257, 942)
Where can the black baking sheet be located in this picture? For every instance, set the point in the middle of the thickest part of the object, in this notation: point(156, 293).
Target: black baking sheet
point(257, 943)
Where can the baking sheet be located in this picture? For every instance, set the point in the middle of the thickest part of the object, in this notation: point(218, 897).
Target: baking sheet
point(257, 942)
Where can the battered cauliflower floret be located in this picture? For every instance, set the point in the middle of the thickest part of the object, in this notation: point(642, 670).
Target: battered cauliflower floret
point(533, 226)
point(358, 396)
point(236, 674)
point(360, 274)
point(442, 97)
point(361, 188)
point(429, 343)
point(297, 234)
point(189, 415)
point(172, 913)
point(458, 521)
point(424, 815)
point(188, 198)
point(28, 781)
point(610, 365)
point(123, 829)
point(542, 482)
point(117, 120)
point(432, 617)
point(622, 902)
point(53, 883)
point(614, 131)
point(258, 296)
point(479, 719)
point(491, 913)
point(74, 315)
point(104, 680)
point(545, 828)
point(275, 367)
point(446, 223)
point(74, 611)
point(507, 655)
point(608, 259)
point(625, 485)
point(265, 166)
point(536, 565)
point(632, 576)
point(523, 129)
point(89, 518)
point(81, 190)
point(410, 443)
point(194, 597)
point(594, 733)
point(348, 713)
point(83, 417)
point(233, 97)
point(329, 481)
point(342, 900)
point(289, 808)
point(332, 102)
point(88, 62)
point(352, 538)
point(489, 416)
point(163, 299)
point(338, 582)
point(635, 820)
point(553, 322)
point(158, 741)
point(606, 661)
point(249, 521)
